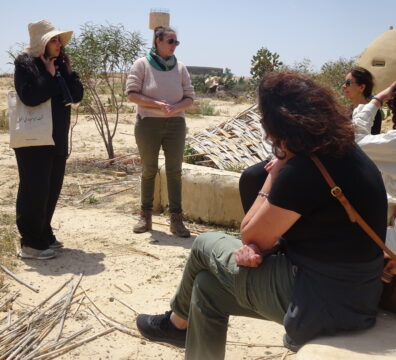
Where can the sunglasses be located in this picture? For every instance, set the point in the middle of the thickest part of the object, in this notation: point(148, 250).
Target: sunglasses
point(173, 41)
point(348, 82)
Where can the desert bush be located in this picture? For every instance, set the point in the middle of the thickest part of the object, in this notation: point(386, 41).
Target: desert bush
point(103, 55)
point(262, 63)
point(3, 120)
point(8, 237)
point(207, 108)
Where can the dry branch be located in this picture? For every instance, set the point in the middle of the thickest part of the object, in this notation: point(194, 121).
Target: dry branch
point(8, 272)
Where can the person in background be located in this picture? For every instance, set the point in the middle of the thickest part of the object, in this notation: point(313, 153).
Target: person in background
point(315, 282)
point(366, 118)
point(358, 87)
point(43, 71)
point(161, 87)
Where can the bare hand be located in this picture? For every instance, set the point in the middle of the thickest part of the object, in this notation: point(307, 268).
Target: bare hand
point(163, 106)
point(387, 93)
point(49, 64)
point(248, 255)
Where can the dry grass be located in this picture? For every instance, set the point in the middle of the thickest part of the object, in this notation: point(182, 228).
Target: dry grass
point(8, 239)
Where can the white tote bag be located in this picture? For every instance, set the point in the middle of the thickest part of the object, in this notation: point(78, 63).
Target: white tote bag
point(29, 125)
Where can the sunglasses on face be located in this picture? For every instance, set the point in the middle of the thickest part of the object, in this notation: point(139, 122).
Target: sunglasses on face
point(173, 41)
point(348, 82)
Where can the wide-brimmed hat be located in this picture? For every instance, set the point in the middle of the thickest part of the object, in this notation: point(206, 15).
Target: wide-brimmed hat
point(40, 33)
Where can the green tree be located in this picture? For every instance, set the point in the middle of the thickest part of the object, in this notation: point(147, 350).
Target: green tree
point(102, 55)
point(264, 62)
point(332, 74)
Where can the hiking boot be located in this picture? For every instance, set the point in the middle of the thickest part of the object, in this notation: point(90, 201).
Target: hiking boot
point(160, 328)
point(56, 245)
point(30, 253)
point(144, 223)
point(177, 227)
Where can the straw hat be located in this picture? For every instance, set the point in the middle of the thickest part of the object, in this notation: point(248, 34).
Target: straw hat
point(40, 33)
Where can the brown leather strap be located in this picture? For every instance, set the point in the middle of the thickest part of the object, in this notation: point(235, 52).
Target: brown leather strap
point(352, 213)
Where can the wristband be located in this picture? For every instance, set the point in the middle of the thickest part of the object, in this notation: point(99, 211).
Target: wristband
point(263, 194)
point(376, 98)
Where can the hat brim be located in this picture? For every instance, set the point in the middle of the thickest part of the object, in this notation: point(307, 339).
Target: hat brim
point(64, 36)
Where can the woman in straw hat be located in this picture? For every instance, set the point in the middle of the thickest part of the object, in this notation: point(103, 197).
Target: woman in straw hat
point(43, 72)
point(161, 87)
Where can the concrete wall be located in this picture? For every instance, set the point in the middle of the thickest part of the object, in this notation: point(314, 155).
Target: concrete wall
point(208, 194)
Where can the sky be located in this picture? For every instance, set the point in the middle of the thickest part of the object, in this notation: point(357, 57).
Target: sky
point(219, 33)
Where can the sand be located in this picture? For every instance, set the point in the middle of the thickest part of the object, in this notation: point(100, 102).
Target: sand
point(141, 270)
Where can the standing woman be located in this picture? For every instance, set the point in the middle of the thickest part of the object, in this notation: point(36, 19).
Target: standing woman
point(39, 73)
point(161, 87)
point(358, 87)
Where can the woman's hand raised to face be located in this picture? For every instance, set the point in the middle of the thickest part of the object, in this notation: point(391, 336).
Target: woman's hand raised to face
point(49, 64)
point(248, 255)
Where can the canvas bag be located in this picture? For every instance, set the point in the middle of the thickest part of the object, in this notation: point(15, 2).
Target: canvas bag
point(29, 125)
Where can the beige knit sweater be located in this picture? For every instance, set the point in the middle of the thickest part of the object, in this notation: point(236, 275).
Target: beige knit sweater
point(171, 86)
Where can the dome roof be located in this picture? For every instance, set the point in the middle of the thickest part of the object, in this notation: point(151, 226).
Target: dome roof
point(380, 59)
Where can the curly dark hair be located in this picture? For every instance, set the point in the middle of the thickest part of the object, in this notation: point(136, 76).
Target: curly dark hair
point(303, 116)
point(392, 105)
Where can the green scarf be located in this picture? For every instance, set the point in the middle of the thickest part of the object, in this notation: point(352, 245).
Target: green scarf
point(159, 63)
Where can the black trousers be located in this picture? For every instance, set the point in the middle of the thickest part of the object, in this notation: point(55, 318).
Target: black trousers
point(250, 183)
point(41, 172)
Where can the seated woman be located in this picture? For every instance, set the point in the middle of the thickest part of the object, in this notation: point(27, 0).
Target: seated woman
point(317, 283)
point(366, 118)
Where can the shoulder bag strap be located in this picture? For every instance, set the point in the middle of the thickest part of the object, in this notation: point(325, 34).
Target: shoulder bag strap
point(352, 213)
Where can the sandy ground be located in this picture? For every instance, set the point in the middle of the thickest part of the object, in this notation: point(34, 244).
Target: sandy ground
point(141, 270)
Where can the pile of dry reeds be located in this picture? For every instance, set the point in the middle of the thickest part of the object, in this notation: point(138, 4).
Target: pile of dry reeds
point(37, 333)
point(237, 142)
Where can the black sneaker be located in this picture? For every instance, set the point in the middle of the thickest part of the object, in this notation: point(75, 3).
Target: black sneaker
point(290, 344)
point(160, 328)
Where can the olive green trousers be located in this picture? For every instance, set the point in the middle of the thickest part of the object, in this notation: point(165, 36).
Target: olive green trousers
point(213, 287)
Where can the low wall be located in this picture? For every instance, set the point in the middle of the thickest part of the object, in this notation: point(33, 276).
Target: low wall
point(210, 195)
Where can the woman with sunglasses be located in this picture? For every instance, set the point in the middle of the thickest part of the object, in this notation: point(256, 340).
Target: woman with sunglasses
point(161, 87)
point(358, 87)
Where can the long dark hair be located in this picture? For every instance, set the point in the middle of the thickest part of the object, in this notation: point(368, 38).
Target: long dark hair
point(303, 116)
point(363, 77)
point(392, 105)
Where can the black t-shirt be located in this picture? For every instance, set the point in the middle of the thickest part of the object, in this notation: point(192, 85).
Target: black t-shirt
point(324, 231)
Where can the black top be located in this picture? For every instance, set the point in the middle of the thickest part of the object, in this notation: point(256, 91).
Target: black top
point(35, 85)
point(376, 128)
point(324, 231)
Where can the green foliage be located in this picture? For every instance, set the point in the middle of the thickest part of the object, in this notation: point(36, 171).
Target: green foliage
point(264, 62)
point(206, 108)
point(332, 75)
point(102, 55)
point(228, 79)
point(198, 81)
point(303, 67)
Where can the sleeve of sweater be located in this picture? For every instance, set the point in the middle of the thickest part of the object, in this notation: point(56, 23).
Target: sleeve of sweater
point(363, 119)
point(188, 88)
point(134, 81)
point(34, 89)
point(75, 86)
